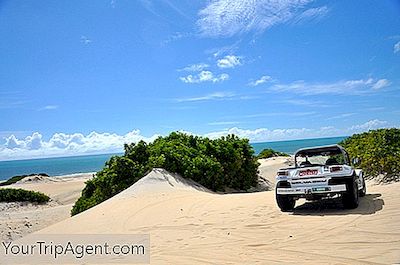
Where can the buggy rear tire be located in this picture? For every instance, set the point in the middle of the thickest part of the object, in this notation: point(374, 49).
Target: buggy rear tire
point(285, 203)
point(350, 197)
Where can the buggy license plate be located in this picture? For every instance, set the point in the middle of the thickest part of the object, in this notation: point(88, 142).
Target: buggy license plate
point(308, 172)
point(321, 189)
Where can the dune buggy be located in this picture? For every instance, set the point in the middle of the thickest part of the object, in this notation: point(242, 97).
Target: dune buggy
point(320, 172)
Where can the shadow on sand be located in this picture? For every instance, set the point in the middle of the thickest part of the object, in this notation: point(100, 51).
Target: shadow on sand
point(369, 204)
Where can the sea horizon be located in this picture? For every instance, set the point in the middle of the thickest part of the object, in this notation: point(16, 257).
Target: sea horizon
point(65, 165)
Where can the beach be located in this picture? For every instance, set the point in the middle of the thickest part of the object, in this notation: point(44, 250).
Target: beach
point(18, 219)
point(189, 224)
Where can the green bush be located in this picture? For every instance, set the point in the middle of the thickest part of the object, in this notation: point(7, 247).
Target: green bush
point(379, 151)
point(227, 162)
point(20, 195)
point(18, 178)
point(268, 152)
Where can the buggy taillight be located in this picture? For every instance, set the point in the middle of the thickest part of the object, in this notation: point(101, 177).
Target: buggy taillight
point(283, 173)
point(336, 168)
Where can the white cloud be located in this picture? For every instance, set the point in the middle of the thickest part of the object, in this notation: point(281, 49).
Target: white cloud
point(396, 47)
point(85, 40)
point(204, 76)
point(33, 142)
point(229, 61)
point(62, 144)
point(344, 87)
point(312, 14)
point(308, 103)
point(341, 116)
point(381, 83)
point(369, 125)
point(176, 36)
point(265, 134)
point(212, 96)
point(195, 67)
point(230, 17)
point(13, 142)
point(49, 107)
point(224, 50)
point(216, 96)
point(6, 104)
point(263, 79)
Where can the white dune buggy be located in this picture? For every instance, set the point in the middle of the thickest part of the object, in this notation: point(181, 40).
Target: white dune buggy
point(320, 172)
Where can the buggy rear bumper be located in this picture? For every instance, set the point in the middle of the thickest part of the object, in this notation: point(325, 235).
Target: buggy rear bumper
point(312, 190)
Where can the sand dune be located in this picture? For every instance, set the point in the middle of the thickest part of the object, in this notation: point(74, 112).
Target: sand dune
point(20, 219)
point(160, 180)
point(189, 225)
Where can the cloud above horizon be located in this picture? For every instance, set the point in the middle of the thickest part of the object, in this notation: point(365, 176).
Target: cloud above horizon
point(204, 76)
point(225, 18)
point(312, 14)
point(396, 47)
point(343, 87)
point(85, 40)
point(194, 67)
point(62, 144)
point(208, 97)
point(229, 61)
point(49, 107)
point(265, 134)
point(263, 79)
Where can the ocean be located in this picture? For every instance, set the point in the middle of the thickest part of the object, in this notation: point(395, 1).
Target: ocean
point(291, 146)
point(91, 163)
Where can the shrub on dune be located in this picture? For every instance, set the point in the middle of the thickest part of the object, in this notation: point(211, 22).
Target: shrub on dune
point(268, 152)
point(227, 162)
point(379, 151)
point(15, 179)
point(21, 195)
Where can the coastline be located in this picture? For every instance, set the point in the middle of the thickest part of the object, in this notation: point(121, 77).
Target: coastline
point(75, 175)
point(56, 166)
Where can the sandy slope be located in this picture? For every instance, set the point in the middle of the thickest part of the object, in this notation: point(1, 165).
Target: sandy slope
point(19, 219)
point(268, 167)
point(188, 225)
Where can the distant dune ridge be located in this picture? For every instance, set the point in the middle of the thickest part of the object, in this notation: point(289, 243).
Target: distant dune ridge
point(188, 224)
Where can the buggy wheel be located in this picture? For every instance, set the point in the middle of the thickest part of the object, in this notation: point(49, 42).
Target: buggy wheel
point(350, 198)
point(285, 203)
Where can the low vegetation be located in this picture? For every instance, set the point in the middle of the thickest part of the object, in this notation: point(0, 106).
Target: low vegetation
point(268, 152)
point(227, 162)
point(21, 195)
point(379, 152)
point(18, 178)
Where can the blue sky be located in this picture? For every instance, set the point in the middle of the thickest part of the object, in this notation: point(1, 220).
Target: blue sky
point(86, 76)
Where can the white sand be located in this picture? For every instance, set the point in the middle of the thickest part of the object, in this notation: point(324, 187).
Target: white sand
point(190, 226)
point(268, 167)
point(19, 219)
